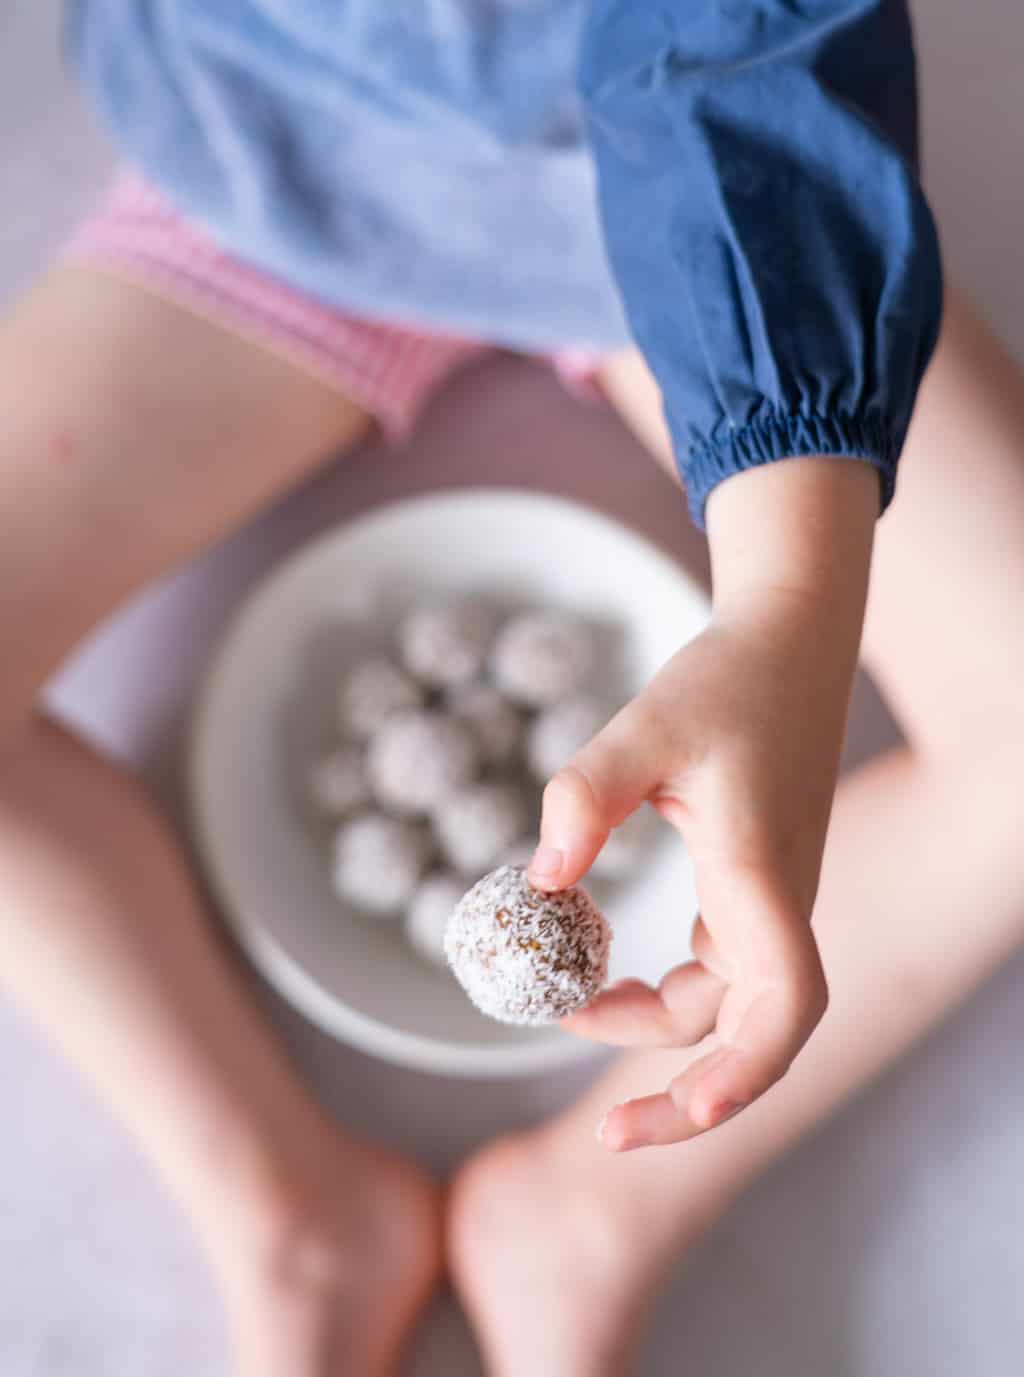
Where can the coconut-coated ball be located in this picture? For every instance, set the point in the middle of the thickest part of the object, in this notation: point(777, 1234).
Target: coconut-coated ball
point(377, 862)
point(556, 734)
point(427, 916)
point(475, 825)
point(417, 759)
point(523, 956)
point(337, 782)
point(540, 657)
point(493, 720)
point(374, 691)
point(446, 643)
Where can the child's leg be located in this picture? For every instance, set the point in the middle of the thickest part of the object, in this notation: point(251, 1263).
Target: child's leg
point(133, 433)
point(922, 898)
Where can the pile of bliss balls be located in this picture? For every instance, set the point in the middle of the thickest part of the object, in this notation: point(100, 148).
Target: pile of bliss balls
point(444, 746)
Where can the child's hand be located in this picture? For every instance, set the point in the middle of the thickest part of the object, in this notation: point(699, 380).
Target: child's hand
point(736, 742)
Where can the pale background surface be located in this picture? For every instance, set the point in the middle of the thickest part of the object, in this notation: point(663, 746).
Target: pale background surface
point(890, 1244)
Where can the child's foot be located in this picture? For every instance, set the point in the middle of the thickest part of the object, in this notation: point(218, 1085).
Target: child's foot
point(555, 1275)
point(333, 1273)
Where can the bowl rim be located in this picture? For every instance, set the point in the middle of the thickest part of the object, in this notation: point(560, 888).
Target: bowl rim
point(556, 1051)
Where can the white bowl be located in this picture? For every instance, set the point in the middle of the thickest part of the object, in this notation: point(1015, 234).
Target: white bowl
point(268, 709)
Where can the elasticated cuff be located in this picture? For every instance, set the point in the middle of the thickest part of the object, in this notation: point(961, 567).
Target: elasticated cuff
point(774, 435)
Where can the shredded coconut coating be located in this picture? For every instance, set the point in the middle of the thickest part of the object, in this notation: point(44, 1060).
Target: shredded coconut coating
point(493, 720)
point(560, 731)
point(418, 759)
point(377, 862)
point(427, 916)
point(523, 956)
point(446, 643)
point(337, 782)
point(541, 657)
point(475, 825)
point(374, 691)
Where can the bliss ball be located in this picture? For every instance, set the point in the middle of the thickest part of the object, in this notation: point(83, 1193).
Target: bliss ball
point(557, 733)
point(377, 862)
point(540, 657)
point(337, 783)
point(625, 846)
point(523, 956)
point(374, 691)
point(446, 643)
point(417, 759)
point(491, 718)
point(427, 916)
point(475, 825)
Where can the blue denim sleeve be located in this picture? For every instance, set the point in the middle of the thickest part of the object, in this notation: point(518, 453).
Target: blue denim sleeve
point(757, 166)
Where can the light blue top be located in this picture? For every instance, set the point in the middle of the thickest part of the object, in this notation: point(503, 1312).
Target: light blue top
point(433, 162)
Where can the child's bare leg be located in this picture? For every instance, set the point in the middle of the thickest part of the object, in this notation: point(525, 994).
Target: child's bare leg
point(132, 433)
point(922, 898)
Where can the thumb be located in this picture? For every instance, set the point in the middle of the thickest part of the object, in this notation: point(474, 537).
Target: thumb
point(602, 784)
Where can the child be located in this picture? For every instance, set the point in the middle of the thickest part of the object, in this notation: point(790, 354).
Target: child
point(333, 203)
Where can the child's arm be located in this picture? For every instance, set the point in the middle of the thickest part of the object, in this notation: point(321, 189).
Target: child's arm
point(763, 216)
point(737, 743)
point(780, 270)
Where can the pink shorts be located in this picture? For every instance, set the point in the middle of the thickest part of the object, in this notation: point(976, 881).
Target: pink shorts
point(391, 371)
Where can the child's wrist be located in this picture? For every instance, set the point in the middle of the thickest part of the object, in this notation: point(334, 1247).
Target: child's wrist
point(794, 538)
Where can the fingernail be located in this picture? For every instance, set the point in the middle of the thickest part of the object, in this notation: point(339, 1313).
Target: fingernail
point(625, 1145)
point(546, 863)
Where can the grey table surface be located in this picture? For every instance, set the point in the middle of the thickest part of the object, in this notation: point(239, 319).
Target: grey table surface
point(889, 1243)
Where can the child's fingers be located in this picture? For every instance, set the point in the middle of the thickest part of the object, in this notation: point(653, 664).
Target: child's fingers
point(674, 1115)
point(627, 1014)
point(692, 993)
point(679, 1013)
point(654, 1120)
point(757, 934)
point(776, 1024)
point(702, 944)
point(764, 1017)
point(714, 1088)
point(603, 783)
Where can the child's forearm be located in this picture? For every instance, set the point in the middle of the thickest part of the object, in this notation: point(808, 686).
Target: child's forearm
point(791, 548)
